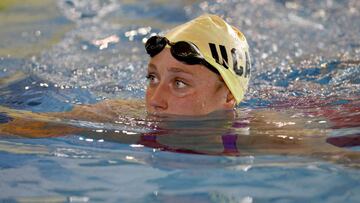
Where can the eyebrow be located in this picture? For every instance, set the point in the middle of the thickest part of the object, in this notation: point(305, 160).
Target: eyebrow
point(179, 70)
point(171, 69)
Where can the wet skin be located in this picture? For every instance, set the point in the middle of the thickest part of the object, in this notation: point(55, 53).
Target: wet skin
point(180, 89)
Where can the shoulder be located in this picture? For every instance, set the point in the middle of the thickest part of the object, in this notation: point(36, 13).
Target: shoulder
point(120, 105)
point(111, 109)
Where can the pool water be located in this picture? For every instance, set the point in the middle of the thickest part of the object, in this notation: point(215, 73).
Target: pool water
point(305, 87)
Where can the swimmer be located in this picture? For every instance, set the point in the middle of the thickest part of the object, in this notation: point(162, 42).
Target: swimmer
point(195, 69)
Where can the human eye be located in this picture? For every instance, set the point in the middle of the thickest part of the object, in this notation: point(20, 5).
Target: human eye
point(179, 84)
point(152, 79)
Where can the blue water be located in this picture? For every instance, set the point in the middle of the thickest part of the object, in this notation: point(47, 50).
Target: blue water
point(306, 66)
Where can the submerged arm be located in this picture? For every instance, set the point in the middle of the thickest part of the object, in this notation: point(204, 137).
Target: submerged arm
point(30, 124)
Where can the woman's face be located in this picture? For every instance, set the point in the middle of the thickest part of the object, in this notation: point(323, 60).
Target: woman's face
point(180, 89)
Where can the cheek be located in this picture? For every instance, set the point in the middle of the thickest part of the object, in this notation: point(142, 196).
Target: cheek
point(210, 101)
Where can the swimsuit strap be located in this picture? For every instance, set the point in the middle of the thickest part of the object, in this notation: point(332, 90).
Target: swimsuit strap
point(229, 143)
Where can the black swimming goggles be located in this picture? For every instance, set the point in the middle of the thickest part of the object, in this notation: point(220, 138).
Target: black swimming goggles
point(184, 51)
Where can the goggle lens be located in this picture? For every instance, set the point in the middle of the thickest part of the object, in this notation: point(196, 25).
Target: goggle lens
point(155, 45)
point(186, 52)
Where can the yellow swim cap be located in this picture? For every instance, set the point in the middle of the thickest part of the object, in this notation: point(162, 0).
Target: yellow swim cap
point(222, 45)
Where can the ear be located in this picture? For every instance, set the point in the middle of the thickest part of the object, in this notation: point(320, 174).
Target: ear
point(230, 101)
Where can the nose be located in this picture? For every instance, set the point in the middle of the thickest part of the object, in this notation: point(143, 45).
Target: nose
point(158, 98)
